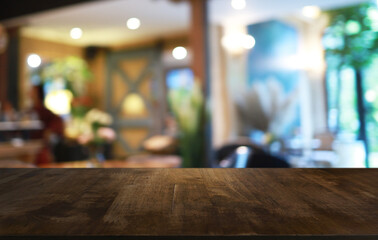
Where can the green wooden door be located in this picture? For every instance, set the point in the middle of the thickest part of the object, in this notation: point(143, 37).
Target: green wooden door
point(134, 96)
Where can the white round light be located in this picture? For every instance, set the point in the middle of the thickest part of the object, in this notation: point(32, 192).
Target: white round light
point(133, 23)
point(59, 101)
point(34, 60)
point(237, 43)
point(248, 42)
point(76, 33)
point(238, 4)
point(311, 11)
point(370, 96)
point(179, 53)
point(242, 150)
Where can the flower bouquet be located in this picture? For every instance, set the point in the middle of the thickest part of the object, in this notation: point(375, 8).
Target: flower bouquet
point(93, 130)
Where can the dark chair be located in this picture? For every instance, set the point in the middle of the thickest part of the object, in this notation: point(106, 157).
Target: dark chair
point(247, 156)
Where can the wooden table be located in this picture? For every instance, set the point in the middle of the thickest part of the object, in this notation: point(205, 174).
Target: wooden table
point(142, 161)
point(21, 125)
point(189, 203)
point(24, 150)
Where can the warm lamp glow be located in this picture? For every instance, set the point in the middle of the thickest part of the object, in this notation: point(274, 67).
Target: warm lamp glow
point(133, 105)
point(248, 42)
point(311, 11)
point(76, 33)
point(133, 23)
point(179, 53)
point(238, 4)
point(34, 60)
point(236, 43)
point(59, 101)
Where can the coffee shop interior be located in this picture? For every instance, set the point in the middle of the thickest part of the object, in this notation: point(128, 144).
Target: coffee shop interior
point(188, 83)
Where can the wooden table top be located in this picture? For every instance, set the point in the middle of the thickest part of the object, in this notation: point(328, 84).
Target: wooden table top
point(22, 148)
point(21, 125)
point(189, 203)
point(142, 161)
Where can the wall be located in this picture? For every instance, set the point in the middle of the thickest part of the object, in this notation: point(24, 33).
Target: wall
point(96, 87)
point(3, 76)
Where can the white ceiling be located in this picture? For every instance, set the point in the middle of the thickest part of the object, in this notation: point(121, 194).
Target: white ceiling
point(104, 22)
point(259, 10)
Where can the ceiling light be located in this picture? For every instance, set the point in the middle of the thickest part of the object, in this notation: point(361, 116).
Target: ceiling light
point(248, 42)
point(238, 4)
point(237, 43)
point(179, 53)
point(311, 11)
point(133, 23)
point(34, 60)
point(76, 33)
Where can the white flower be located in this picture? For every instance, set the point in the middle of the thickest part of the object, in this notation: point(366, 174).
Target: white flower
point(98, 116)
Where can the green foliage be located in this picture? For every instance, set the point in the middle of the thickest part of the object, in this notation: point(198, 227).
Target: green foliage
point(73, 70)
point(371, 83)
point(353, 34)
point(351, 44)
point(187, 106)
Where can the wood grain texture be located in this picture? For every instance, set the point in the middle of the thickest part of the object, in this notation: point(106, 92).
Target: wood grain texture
point(189, 203)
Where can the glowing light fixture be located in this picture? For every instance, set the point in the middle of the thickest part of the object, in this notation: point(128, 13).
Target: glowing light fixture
point(311, 11)
point(248, 41)
point(34, 60)
point(238, 4)
point(179, 53)
point(133, 105)
point(59, 101)
point(370, 96)
point(133, 23)
point(76, 33)
point(236, 43)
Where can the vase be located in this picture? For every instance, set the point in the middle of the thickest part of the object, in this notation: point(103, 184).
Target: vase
point(96, 155)
point(191, 149)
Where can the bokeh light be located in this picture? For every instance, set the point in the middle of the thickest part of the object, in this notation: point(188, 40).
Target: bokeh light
point(76, 33)
point(236, 43)
point(311, 11)
point(248, 42)
point(179, 53)
point(59, 101)
point(34, 60)
point(238, 4)
point(133, 23)
point(370, 96)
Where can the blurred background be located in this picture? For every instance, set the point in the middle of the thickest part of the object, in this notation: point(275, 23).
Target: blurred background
point(189, 83)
